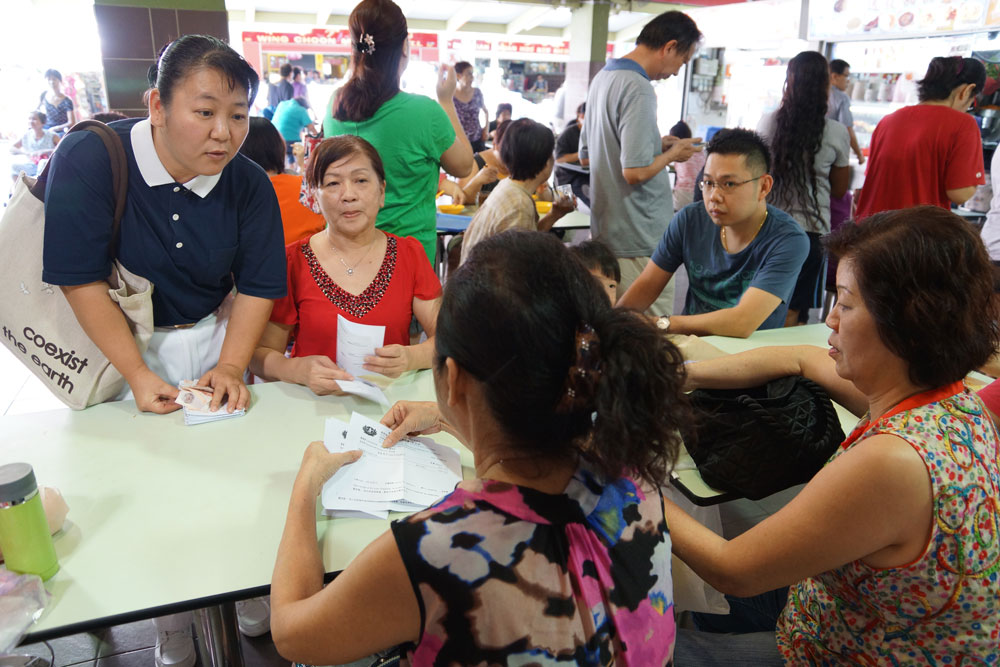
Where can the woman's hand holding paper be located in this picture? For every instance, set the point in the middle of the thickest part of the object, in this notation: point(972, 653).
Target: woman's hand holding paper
point(389, 360)
point(411, 418)
point(319, 373)
point(319, 465)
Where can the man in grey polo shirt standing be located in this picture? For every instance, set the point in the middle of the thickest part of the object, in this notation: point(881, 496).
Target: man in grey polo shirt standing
point(630, 190)
point(839, 106)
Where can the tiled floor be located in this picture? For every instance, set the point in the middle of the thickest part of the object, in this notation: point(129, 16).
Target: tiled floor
point(131, 645)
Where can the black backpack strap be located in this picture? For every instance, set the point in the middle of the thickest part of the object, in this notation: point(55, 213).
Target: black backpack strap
point(119, 171)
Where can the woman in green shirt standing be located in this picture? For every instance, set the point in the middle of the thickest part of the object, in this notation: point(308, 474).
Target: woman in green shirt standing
point(415, 136)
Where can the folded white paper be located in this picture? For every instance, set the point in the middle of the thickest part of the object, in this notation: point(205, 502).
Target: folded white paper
point(407, 477)
point(364, 389)
point(192, 417)
point(355, 342)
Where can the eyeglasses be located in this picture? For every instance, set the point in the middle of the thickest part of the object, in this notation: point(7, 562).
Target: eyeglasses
point(726, 186)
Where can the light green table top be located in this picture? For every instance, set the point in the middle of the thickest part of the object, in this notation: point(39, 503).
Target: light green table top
point(165, 517)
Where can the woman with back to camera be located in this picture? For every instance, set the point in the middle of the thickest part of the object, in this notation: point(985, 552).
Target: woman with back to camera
point(810, 156)
point(892, 549)
point(557, 548)
point(265, 146)
point(349, 269)
point(413, 135)
point(199, 219)
point(932, 152)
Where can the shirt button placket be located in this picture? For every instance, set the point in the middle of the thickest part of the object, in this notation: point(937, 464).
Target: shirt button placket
point(175, 217)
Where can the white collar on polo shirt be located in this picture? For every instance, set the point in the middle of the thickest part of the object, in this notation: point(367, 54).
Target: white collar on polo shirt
point(153, 171)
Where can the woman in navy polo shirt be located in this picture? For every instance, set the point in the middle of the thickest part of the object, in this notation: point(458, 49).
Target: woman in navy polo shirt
point(199, 218)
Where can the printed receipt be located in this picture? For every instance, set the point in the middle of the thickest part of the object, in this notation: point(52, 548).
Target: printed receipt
point(407, 477)
point(355, 342)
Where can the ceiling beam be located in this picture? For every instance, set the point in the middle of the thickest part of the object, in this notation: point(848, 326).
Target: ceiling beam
point(322, 17)
point(572, 4)
point(629, 33)
point(528, 19)
point(646, 7)
point(465, 13)
point(337, 21)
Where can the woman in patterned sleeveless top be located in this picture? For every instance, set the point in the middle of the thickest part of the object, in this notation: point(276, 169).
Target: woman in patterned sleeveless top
point(892, 551)
point(556, 551)
point(58, 108)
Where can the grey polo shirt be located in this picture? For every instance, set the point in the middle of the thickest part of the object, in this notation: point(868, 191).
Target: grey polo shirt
point(839, 107)
point(620, 132)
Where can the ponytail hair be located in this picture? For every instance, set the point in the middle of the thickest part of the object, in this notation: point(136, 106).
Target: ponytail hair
point(946, 74)
point(378, 34)
point(564, 374)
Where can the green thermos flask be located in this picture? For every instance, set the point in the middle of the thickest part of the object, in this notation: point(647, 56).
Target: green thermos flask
point(24, 533)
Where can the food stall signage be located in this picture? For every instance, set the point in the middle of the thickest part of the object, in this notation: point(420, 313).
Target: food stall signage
point(320, 37)
point(863, 19)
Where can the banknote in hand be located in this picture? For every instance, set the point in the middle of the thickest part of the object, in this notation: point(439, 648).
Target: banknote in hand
point(194, 397)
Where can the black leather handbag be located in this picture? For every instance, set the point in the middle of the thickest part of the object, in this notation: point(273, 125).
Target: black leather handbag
point(758, 441)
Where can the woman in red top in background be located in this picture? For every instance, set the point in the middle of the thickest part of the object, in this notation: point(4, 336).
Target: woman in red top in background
point(929, 153)
point(350, 269)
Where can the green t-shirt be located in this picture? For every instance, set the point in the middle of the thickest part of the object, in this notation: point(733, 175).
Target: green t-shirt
point(410, 132)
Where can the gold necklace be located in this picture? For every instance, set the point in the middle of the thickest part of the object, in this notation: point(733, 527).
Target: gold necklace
point(722, 233)
point(350, 269)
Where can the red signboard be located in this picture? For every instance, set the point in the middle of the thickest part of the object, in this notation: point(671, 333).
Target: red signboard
point(561, 48)
point(321, 37)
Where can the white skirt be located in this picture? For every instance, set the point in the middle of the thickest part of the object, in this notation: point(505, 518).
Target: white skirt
point(188, 353)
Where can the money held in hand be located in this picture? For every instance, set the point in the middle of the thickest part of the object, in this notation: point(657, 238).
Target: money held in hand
point(196, 401)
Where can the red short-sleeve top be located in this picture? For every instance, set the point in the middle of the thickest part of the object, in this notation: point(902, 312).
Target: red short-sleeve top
point(314, 299)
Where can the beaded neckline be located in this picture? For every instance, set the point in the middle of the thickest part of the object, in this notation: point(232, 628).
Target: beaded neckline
point(361, 304)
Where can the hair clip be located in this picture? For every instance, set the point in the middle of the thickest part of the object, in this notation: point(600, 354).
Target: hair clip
point(367, 44)
point(580, 388)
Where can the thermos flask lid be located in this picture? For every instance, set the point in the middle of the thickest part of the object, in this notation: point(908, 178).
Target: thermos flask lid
point(17, 482)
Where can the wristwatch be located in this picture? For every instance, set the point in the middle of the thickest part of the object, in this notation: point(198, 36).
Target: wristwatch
point(663, 323)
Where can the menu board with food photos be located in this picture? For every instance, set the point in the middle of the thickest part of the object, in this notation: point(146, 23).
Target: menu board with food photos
point(831, 20)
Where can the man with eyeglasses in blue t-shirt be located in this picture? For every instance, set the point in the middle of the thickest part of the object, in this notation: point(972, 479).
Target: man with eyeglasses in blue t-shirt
point(742, 256)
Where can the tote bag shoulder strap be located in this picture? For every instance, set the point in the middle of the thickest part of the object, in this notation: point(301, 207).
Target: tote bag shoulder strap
point(119, 170)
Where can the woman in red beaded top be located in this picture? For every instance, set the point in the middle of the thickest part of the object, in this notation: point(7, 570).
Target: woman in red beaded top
point(350, 269)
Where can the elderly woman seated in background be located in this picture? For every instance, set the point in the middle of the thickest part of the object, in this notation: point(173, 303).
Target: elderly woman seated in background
point(350, 269)
point(892, 550)
point(37, 143)
point(557, 550)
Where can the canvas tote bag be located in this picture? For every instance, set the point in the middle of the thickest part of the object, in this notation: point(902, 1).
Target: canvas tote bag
point(37, 324)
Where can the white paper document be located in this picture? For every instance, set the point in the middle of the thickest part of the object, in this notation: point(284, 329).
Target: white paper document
point(355, 342)
point(404, 478)
point(364, 389)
